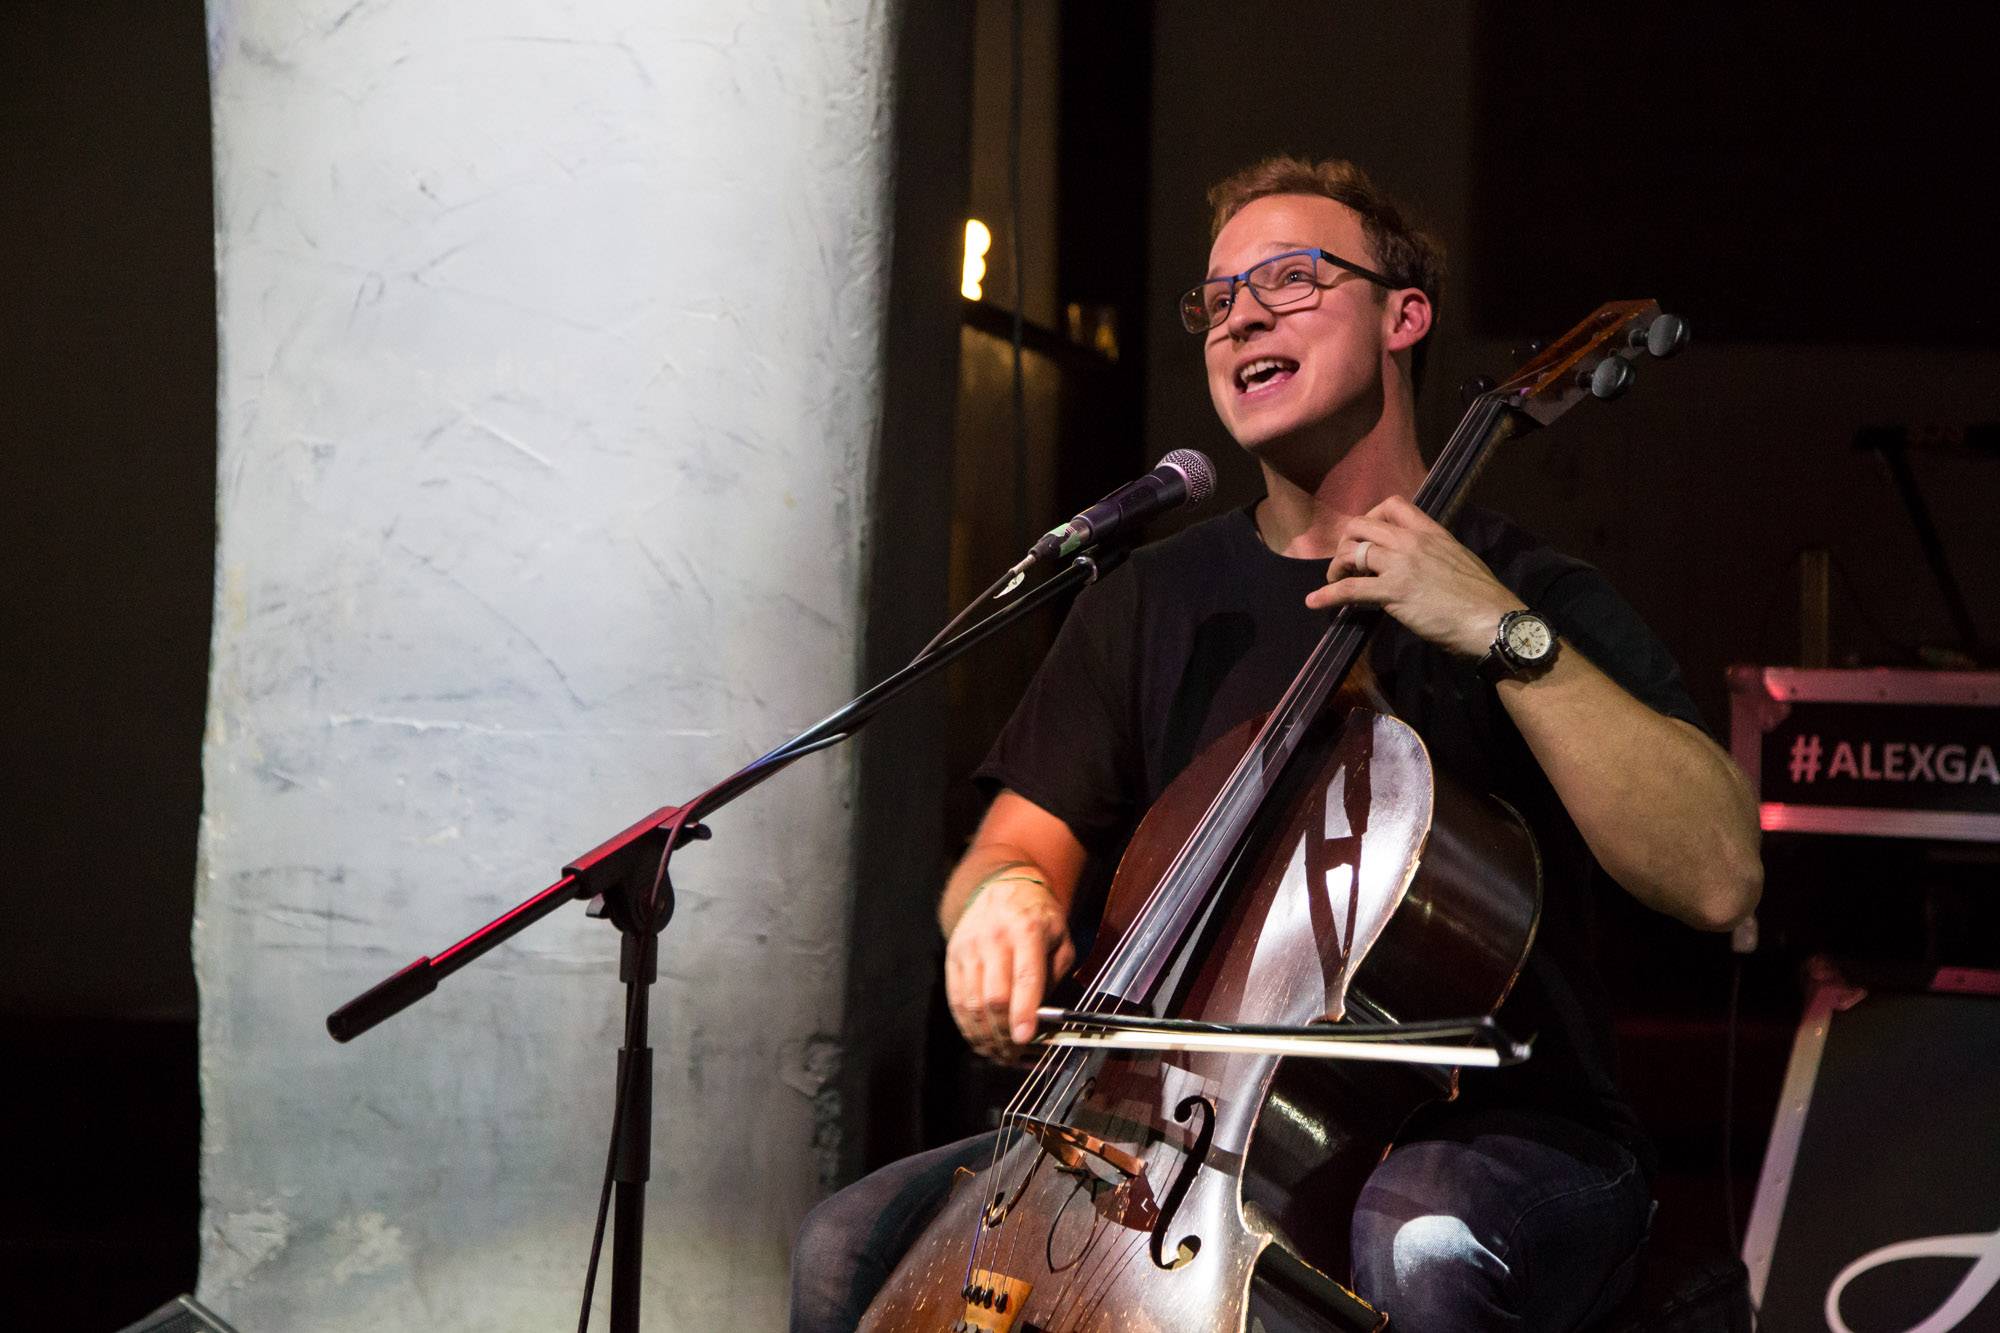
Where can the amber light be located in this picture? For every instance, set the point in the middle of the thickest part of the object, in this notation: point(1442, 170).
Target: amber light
point(978, 240)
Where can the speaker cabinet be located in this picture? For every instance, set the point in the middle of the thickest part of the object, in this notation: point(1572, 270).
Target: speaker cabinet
point(1878, 1209)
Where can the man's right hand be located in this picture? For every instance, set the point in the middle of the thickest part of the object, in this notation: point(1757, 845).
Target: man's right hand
point(1011, 938)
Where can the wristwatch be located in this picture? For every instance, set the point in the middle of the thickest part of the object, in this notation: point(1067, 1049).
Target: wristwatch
point(1523, 648)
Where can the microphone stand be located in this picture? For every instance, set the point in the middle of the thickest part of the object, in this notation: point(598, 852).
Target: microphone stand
point(626, 877)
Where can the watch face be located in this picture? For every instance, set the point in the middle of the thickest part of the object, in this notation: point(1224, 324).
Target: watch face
point(1528, 638)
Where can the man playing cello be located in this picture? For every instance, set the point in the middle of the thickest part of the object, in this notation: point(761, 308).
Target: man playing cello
point(1523, 1202)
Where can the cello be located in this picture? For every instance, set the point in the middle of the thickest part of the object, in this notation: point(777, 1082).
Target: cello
point(1310, 875)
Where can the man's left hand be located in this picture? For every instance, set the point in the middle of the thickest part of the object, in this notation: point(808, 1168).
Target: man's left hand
point(1397, 557)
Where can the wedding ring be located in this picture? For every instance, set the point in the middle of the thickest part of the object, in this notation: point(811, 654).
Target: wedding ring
point(1361, 558)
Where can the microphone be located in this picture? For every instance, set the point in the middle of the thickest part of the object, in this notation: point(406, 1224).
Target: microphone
point(1183, 477)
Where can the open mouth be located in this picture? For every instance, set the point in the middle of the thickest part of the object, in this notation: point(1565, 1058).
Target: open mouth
point(1264, 373)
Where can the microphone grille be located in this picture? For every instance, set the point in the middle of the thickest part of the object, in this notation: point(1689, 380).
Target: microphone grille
point(1193, 465)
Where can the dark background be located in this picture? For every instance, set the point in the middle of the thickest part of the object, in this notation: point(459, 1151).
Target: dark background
point(1798, 181)
point(107, 465)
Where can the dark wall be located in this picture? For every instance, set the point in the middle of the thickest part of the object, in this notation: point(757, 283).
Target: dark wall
point(108, 383)
point(1389, 86)
point(107, 463)
point(900, 850)
point(1790, 181)
point(1695, 493)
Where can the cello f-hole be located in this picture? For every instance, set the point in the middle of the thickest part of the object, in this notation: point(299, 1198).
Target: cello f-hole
point(1188, 1246)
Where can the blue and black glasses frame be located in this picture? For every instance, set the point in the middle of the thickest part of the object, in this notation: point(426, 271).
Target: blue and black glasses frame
point(1207, 303)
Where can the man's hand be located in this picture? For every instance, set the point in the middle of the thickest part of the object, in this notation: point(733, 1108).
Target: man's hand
point(1663, 809)
point(1008, 942)
point(1399, 558)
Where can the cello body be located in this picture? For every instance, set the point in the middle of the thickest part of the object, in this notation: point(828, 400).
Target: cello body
point(1307, 867)
point(1181, 1190)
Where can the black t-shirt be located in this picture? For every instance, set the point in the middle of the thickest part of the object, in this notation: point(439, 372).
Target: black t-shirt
point(1196, 633)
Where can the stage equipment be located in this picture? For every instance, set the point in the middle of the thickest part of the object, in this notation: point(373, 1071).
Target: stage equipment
point(1892, 444)
point(1889, 752)
point(1183, 477)
point(1879, 1204)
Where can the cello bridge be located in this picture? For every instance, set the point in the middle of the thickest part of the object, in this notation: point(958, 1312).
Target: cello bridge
point(1115, 1178)
point(1078, 1151)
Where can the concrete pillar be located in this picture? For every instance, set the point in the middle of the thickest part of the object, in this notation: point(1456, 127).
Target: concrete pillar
point(550, 378)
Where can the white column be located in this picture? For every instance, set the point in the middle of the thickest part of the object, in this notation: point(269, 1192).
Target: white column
point(549, 385)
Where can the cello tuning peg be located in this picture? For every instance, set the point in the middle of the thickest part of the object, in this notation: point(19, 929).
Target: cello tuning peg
point(1528, 349)
point(1472, 388)
point(1665, 336)
point(1612, 377)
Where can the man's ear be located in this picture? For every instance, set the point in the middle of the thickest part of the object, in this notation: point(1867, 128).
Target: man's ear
point(1407, 318)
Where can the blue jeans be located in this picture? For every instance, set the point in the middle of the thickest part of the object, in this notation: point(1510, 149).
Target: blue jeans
point(1499, 1220)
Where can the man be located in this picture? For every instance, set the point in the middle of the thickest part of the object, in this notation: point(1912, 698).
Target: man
point(1523, 1203)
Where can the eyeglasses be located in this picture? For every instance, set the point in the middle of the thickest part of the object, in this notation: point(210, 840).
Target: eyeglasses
point(1280, 281)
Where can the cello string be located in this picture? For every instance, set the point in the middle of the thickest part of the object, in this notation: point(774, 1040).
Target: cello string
point(1065, 1074)
point(1226, 818)
point(1010, 1133)
point(1454, 463)
point(1192, 873)
point(1054, 1086)
point(994, 1185)
point(1007, 1243)
point(1079, 1291)
point(1078, 1285)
